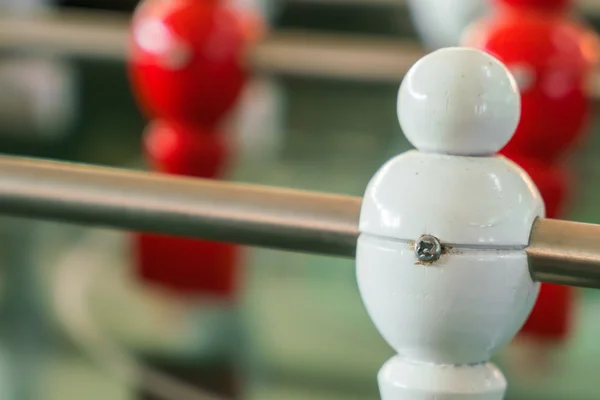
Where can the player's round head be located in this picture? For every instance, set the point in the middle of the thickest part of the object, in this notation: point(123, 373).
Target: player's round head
point(459, 101)
point(542, 5)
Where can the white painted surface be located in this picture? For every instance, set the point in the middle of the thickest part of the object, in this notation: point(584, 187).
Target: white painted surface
point(440, 23)
point(467, 201)
point(400, 379)
point(461, 309)
point(459, 101)
point(39, 97)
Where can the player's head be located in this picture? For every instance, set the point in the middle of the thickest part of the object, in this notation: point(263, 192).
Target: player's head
point(459, 101)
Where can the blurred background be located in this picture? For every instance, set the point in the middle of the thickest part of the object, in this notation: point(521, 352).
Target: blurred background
point(317, 111)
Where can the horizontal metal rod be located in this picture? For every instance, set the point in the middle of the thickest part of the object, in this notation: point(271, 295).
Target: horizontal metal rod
point(588, 7)
point(104, 35)
point(566, 253)
point(559, 252)
point(206, 209)
point(335, 56)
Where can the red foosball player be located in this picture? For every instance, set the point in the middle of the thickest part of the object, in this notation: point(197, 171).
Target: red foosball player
point(551, 56)
point(187, 71)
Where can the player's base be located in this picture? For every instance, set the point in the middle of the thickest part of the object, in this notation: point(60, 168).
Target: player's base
point(400, 379)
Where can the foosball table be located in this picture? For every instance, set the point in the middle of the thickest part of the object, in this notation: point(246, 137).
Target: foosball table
point(450, 241)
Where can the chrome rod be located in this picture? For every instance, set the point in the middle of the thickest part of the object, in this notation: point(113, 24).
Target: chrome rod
point(288, 52)
point(104, 35)
point(238, 213)
point(559, 252)
point(566, 253)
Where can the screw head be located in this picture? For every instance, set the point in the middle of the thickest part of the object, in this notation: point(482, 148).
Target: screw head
point(428, 249)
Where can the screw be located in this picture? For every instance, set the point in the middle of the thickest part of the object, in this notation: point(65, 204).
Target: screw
point(428, 249)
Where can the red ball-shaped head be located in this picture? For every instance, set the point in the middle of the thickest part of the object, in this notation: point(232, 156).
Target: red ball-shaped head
point(187, 59)
point(541, 5)
point(552, 59)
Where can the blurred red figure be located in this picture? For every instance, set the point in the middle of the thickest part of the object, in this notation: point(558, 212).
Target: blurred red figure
point(552, 57)
point(187, 60)
point(188, 267)
point(538, 5)
point(187, 71)
point(254, 25)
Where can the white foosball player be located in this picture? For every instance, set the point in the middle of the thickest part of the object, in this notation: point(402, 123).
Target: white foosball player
point(258, 121)
point(441, 264)
point(39, 93)
point(441, 23)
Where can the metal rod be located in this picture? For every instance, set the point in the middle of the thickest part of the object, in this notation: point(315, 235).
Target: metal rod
point(589, 7)
point(335, 56)
point(244, 214)
point(559, 252)
point(96, 35)
point(566, 253)
point(104, 35)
